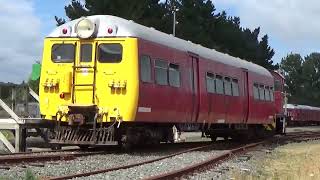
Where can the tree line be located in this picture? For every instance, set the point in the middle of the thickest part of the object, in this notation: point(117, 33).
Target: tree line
point(198, 22)
point(302, 78)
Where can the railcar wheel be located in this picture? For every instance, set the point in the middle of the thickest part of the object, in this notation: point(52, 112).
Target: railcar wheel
point(84, 147)
point(213, 138)
point(56, 147)
point(125, 144)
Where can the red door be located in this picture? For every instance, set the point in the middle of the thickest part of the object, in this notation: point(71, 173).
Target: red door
point(246, 96)
point(195, 87)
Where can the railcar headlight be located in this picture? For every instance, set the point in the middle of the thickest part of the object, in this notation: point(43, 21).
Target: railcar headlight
point(85, 28)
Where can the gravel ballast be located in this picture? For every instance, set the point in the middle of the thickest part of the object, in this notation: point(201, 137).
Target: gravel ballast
point(156, 168)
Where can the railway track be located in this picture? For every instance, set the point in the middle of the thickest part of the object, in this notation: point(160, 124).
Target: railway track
point(186, 149)
point(200, 166)
point(128, 166)
point(8, 160)
point(210, 163)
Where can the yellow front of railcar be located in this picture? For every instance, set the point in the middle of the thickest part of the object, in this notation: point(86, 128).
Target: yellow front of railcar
point(101, 73)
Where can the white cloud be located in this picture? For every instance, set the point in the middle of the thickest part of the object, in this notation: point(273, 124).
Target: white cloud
point(20, 39)
point(292, 23)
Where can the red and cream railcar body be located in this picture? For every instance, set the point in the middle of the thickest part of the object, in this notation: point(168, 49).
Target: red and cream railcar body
point(144, 78)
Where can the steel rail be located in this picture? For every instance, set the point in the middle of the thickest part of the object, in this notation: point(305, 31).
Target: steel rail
point(7, 160)
point(127, 166)
point(212, 161)
point(224, 157)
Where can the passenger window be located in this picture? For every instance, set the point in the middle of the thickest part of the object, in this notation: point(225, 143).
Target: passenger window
point(235, 87)
point(63, 53)
point(86, 53)
point(174, 75)
point(227, 86)
point(210, 83)
point(145, 69)
point(110, 53)
point(161, 72)
point(261, 92)
point(256, 91)
point(271, 94)
point(267, 93)
point(219, 84)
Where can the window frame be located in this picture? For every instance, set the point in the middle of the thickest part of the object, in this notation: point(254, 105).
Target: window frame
point(219, 77)
point(272, 94)
point(151, 69)
point(159, 67)
point(80, 56)
point(224, 85)
point(209, 78)
point(74, 53)
point(256, 96)
point(235, 81)
point(177, 70)
point(267, 91)
point(262, 87)
point(104, 61)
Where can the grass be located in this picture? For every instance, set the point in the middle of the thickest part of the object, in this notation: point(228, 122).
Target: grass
point(289, 162)
point(29, 175)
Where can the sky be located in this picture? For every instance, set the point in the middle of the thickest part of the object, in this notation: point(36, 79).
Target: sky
point(291, 25)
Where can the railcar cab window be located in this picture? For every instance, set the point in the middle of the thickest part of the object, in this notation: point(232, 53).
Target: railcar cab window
point(63, 53)
point(261, 92)
point(110, 53)
point(219, 84)
point(211, 86)
point(227, 86)
point(145, 69)
point(235, 87)
point(256, 91)
point(86, 53)
point(161, 74)
point(174, 75)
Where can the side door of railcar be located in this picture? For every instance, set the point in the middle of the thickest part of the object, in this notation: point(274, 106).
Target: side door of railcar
point(195, 87)
point(245, 96)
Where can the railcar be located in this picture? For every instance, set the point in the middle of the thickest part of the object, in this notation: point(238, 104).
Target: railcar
point(302, 115)
point(107, 80)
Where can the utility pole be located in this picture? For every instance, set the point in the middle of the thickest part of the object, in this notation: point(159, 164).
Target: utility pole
point(174, 10)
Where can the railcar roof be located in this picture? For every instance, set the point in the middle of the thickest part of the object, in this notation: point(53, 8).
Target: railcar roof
point(296, 106)
point(126, 28)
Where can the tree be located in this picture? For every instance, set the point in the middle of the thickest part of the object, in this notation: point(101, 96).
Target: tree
point(198, 22)
point(303, 78)
point(311, 79)
point(292, 66)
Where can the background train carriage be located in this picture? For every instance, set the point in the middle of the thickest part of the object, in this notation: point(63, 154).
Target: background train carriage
point(302, 115)
point(104, 69)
